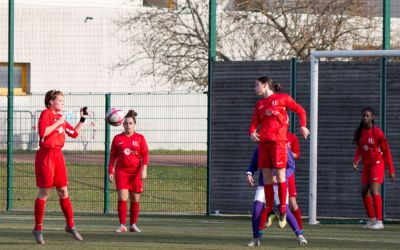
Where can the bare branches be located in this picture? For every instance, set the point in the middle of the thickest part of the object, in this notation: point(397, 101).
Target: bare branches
point(172, 45)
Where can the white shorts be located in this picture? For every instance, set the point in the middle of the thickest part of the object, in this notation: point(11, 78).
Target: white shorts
point(260, 195)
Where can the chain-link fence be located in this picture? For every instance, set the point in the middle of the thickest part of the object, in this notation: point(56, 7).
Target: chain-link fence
point(175, 127)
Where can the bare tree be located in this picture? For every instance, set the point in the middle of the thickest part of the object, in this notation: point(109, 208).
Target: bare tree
point(175, 41)
point(304, 25)
point(172, 45)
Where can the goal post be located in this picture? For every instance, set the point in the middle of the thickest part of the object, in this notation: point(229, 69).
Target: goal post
point(315, 56)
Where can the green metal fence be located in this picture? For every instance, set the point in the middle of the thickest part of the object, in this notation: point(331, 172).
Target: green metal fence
point(175, 127)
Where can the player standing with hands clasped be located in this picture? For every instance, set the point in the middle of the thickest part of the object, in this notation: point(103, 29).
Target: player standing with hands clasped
point(269, 126)
point(50, 167)
point(374, 151)
point(129, 155)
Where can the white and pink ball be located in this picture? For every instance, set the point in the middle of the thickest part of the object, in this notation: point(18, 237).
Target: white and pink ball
point(115, 117)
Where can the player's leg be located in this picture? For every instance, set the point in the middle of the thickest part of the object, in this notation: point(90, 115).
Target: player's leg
point(366, 196)
point(376, 179)
point(266, 166)
point(135, 193)
point(258, 209)
point(66, 207)
point(122, 209)
point(294, 208)
point(39, 209)
point(134, 212)
point(44, 172)
point(375, 190)
point(280, 161)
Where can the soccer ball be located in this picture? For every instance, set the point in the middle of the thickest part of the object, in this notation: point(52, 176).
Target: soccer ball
point(115, 117)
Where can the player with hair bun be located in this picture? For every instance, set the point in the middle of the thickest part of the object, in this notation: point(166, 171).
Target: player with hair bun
point(374, 151)
point(129, 155)
point(50, 167)
point(268, 127)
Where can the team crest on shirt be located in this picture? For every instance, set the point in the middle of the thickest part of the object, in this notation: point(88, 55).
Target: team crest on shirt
point(134, 143)
point(371, 140)
point(274, 103)
point(127, 151)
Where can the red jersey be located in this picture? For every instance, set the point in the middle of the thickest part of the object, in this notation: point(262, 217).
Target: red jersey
point(56, 139)
point(130, 153)
point(293, 144)
point(373, 147)
point(270, 113)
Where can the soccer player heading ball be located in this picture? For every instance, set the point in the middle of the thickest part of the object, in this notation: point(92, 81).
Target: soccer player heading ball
point(50, 167)
point(269, 127)
point(374, 151)
point(129, 155)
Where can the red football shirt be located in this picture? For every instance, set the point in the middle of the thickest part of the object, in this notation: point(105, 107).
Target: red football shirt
point(373, 147)
point(128, 153)
point(293, 144)
point(271, 114)
point(56, 139)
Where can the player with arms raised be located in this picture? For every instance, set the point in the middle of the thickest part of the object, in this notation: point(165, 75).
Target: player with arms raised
point(50, 167)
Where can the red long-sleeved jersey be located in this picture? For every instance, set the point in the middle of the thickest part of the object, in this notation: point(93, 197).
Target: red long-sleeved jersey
point(56, 139)
point(293, 143)
point(129, 153)
point(270, 113)
point(373, 147)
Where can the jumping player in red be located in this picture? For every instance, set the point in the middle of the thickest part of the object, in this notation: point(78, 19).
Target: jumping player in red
point(374, 151)
point(50, 167)
point(268, 127)
point(129, 155)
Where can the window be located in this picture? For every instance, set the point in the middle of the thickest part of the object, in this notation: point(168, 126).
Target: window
point(170, 4)
point(21, 78)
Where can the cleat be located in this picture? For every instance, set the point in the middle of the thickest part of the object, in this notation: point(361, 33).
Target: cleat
point(74, 232)
point(369, 223)
point(302, 240)
point(255, 242)
point(261, 233)
point(377, 225)
point(122, 229)
point(282, 220)
point(270, 220)
point(38, 235)
point(134, 228)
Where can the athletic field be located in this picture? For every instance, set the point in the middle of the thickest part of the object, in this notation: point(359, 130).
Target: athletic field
point(186, 232)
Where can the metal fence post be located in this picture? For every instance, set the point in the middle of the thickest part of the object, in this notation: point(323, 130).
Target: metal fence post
point(10, 108)
point(293, 79)
point(106, 209)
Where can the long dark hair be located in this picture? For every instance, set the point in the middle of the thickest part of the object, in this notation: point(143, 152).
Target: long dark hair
point(276, 87)
point(357, 133)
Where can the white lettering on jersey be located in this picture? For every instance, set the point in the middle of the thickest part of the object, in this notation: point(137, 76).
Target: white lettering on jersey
point(274, 103)
point(61, 130)
point(69, 131)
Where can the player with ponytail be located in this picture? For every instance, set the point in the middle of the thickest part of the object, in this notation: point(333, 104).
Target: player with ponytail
point(129, 155)
point(269, 127)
